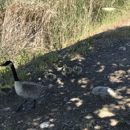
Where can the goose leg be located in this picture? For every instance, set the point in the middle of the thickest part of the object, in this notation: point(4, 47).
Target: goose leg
point(18, 109)
point(34, 103)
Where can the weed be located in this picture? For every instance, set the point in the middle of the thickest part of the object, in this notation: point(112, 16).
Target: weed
point(22, 75)
point(2, 6)
point(5, 77)
point(7, 126)
point(50, 59)
point(24, 57)
point(121, 122)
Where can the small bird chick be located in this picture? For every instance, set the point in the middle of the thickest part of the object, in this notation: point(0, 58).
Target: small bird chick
point(50, 76)
point(77, 70)
point(66, 70)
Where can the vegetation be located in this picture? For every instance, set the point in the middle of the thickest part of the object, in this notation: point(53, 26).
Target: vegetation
point(52, 25)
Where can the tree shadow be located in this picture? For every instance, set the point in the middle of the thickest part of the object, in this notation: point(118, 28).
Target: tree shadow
point(70, 104)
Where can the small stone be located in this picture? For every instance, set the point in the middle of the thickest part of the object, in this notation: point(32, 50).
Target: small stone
point(65, 99)
point(128, 123)
point(21, 121)
point(31, 129)
point(34, 129)
point(122, 48)
point(24, 127)
point(39, 78)
point(45, 125)
point(40, 102)
point(29, 123)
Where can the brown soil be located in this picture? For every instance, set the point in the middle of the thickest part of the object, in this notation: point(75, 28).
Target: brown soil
point(70, 104)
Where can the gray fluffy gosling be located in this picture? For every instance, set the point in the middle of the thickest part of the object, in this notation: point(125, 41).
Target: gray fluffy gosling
point(77, 70)
point(27, 90)
point(105, 92)
point(66, 71)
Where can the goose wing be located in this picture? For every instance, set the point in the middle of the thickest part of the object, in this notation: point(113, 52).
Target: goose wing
point(32, 90)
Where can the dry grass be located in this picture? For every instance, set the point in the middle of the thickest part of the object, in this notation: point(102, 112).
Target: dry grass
point(31, 26)
point(42, 25)
point(2, 14)
point(25, 26)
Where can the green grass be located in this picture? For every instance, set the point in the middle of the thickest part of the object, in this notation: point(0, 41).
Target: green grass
point(6, 80)
point(122, 122)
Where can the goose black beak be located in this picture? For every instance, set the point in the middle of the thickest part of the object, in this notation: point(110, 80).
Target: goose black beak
point(6, 63)
point(3, 64)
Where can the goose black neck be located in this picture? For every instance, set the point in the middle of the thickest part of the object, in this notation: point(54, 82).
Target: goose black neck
point(14, 73)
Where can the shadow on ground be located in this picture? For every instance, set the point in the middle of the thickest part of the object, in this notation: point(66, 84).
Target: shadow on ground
point(70, 104)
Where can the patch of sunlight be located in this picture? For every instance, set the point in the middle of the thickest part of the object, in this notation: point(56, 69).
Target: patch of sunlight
point(89, 116)
point(128, 70)
point(79, 57)
point(125, 101)
point(97, 127)
point(104, 112)
point(83, 81)
point(117, 76)
point(83, 86)
point(102, 67)
point(85, 129)
point(54, 109)
point(111, 106)
point(60, 82)
point(35, 123)
point(98, 63)
point(114, 65)
point(72, 80)
point(128, 91)
point(122, 88)
point(113, 122)
point(37, 119)
point(78, 102)
point(128, 104)
point(69, 108)
point(52, 120)
point(123, 107)
point(51, 125)
point(7, 108)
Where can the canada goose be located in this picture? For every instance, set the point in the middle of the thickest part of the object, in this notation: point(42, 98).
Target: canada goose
point(27, 90)
point(66, 70)
point(50, 76)
point(77, 70)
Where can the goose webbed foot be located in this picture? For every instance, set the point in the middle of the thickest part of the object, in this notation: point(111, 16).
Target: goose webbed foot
point(19, 108)
point(32, 106)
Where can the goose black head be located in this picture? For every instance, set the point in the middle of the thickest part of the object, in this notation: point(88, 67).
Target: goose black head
point(7, 63)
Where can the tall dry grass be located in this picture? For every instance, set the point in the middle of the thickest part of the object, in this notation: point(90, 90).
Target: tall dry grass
point(44, 25)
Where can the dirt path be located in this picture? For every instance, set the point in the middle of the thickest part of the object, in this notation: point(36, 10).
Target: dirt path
point(70, 105)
